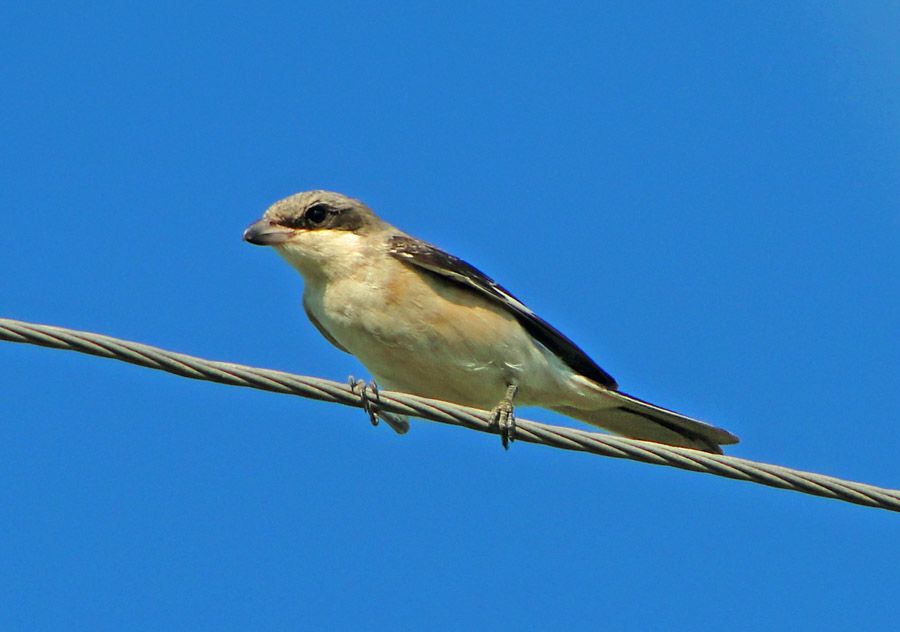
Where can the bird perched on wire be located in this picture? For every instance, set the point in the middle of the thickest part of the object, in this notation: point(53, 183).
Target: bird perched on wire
point(427, 323)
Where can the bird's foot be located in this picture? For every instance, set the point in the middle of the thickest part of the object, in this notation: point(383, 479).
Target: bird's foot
point(504, 417)
point(370, 398)
point(368, 405)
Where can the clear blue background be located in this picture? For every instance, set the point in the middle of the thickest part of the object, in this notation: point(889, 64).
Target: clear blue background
point(704, 196)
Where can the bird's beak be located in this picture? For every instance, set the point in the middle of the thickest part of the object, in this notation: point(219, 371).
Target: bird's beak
point(266, 233)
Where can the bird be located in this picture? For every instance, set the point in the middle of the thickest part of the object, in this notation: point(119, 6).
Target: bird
point(425, 322)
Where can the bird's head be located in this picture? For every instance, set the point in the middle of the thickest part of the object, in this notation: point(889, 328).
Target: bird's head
point(316, 230)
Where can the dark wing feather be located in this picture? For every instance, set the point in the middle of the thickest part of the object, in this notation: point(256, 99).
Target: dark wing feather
point(436, 261)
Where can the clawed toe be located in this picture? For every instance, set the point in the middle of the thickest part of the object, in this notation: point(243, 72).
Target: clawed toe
point(504, 417)
point(368, 405)
point(369, 398)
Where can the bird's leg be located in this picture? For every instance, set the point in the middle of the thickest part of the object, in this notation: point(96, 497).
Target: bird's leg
point(504, 416)
point(398, 423)
point(368, 405)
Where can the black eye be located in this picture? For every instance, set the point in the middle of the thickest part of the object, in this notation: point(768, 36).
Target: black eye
point(317, 213)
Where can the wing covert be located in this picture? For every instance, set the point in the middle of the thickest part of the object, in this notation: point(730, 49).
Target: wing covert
point(436, 261)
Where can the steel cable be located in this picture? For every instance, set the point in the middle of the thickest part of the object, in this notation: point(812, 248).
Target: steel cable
point(445, 412)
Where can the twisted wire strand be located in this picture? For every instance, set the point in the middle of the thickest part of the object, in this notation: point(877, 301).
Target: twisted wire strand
point(445, 412)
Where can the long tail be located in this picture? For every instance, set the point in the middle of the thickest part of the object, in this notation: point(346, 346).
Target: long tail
point(635, 418)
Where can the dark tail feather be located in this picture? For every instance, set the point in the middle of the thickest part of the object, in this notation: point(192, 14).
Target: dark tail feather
point(637, 419)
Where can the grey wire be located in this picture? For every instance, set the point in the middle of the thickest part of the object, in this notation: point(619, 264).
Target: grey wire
point(444, 412)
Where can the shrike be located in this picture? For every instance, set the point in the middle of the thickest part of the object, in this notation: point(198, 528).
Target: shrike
point(425, 322)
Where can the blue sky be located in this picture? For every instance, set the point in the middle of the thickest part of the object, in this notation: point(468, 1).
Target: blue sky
point(704, 197)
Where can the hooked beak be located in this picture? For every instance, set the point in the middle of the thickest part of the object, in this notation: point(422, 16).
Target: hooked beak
point(266, 233)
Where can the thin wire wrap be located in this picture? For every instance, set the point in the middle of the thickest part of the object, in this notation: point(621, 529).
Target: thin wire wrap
point(445, 412)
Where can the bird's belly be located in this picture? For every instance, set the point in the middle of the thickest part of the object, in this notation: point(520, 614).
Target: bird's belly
point(453, 362)
point(462, 349)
